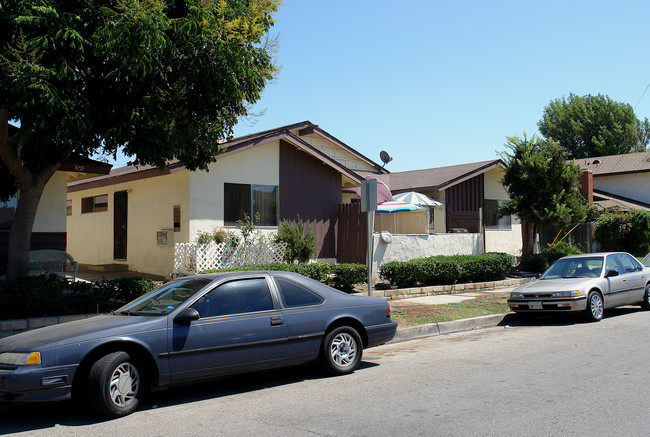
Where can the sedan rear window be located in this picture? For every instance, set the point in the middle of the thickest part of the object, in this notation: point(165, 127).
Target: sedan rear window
point(295, 295)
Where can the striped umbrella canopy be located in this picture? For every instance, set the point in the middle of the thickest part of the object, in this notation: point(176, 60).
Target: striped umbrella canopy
point(395, 206)
point(416, 199)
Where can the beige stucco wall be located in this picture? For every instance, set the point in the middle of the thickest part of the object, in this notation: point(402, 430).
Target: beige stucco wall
point(51, 212)
point(501, 240)
point(255, 166)
point(407, 247)
point(150, 208)
point(632, 186)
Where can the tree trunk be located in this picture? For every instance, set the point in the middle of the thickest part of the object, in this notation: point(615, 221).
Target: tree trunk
point(528, 236)
point(20, 235)
point(31, 186)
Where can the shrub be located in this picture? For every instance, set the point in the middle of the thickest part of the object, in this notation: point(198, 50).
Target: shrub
point(441, 270)
point(122, 290)
point(539, 262)
point(637, 240)
point(39, 296)
point(317, 271)
point(346, 276)
point(301, 244)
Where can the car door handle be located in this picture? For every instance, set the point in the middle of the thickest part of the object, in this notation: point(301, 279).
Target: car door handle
point(275, 321)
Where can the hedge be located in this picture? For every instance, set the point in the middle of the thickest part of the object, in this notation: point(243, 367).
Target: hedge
point(443, 270)
point(41, 296)
point(341, 276)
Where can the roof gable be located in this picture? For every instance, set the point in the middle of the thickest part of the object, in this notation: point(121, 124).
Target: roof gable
point(436, 179)
point(305, 136)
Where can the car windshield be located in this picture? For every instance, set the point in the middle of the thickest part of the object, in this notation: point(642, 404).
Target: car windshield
point(590, 267)
point(164, 299)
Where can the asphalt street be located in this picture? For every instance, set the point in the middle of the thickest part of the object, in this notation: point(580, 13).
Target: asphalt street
point(551, 377)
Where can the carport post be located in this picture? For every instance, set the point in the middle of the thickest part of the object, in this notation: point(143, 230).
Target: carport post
point(369, 205)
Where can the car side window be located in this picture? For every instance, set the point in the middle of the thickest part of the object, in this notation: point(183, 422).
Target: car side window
point(629, 264)
point(236, 297)
point(612, 264)
point(295, 295)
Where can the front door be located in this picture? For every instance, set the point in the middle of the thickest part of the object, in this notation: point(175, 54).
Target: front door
point(120, 209)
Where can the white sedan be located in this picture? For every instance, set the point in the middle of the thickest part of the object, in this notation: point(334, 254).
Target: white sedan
point(586, 283)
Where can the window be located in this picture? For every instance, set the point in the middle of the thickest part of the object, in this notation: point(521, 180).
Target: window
point(294, 295)
point(236, 297)
point(629, 264)
point(251, 200)
point(177, 218)
point(69, 207)
point(491, 214)
point(94, 204)
point(8, 209)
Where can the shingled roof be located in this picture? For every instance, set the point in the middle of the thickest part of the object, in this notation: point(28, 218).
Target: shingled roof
point(616, 164)
point(435, 179)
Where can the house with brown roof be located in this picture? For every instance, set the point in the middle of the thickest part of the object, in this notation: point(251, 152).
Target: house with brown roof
point(621, 181)
point(295, 170)
point(471, 195)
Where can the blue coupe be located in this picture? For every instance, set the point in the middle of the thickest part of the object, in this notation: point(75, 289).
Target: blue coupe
point(192, 329)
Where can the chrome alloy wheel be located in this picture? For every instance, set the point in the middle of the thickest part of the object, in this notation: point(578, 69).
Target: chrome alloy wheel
point(124, 384)
point(596, 306)
point(343, 349)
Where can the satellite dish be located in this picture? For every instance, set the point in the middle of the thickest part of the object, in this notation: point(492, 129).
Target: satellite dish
point(385, 158)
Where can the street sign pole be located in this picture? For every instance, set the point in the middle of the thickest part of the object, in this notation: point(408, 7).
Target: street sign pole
point(369, 205)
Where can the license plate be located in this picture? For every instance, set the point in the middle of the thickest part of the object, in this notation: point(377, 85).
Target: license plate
point(535, 305)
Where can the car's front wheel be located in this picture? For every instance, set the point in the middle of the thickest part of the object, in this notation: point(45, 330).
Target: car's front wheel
point(341, 351)
point(646, 298)
point(595, 307)
point(114, 385)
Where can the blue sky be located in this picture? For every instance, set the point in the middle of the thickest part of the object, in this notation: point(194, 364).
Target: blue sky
point(442, 83)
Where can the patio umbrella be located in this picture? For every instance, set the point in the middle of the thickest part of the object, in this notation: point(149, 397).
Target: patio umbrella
point(416, 199)
point(383, 192)
point(395, 206)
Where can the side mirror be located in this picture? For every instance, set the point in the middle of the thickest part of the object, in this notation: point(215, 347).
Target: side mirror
point(610, 273)
point(186, 316)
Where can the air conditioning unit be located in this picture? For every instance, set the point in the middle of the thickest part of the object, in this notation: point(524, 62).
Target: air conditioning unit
point(164, 237)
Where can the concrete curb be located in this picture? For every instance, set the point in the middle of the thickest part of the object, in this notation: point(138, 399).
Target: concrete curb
point(461, 325)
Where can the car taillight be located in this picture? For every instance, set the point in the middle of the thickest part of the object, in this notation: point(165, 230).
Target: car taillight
point(388, 311)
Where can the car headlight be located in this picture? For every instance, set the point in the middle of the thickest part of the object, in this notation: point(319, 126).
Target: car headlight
point(573, 293)
point(20, 358)
point(516, 295)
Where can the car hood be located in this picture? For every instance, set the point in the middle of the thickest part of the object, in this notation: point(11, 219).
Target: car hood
point(559, 284)
point(80, 331)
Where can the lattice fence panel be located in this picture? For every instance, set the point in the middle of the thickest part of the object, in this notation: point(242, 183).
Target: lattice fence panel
point(200, 257)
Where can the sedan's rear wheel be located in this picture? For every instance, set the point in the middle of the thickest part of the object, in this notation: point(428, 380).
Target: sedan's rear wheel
point(646, 298)
point(595, 307)
point(341, 351)
point(114, 385)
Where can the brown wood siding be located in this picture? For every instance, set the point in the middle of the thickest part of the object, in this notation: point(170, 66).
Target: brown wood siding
point(311, 190)
point(352, 235)
point(40, 240)
point(462, 204)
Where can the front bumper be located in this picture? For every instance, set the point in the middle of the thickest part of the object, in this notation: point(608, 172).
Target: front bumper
point(35, 383)
point(546, 304)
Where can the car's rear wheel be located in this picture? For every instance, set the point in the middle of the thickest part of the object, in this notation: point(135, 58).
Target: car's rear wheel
point(341, 351)
point(595, 307)
point(646, 298)
point(114, 385)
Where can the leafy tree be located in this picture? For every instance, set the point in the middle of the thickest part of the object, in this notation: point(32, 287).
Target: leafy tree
point(542, 186)
point(594, 126)
point(162, 79)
